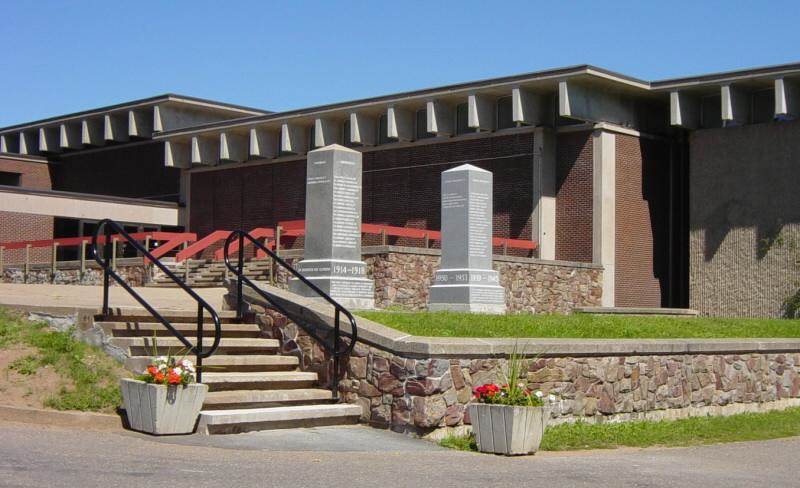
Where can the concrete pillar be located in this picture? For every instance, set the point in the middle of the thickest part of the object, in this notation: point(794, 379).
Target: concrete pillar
point(263, 143)
point(363, 129)
point(9, 143)
point(787, 99)
point(70, 136)
point(115, 127)
point(480, 112)
point(603, 209)
point(439, 118)
point(735, 105)
point(140, 123)
point(48, 140)
point(293, 139)
point(528, 108)
point(92, 132)
point(233, 147)
point(205, 150)
point(326, 132)
point(177, 154)
point(399, 124)
point(544, 192)
point(684, 111)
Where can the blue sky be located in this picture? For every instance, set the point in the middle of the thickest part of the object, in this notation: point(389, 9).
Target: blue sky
point(61, 57)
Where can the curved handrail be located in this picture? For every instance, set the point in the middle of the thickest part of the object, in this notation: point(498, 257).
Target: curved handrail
point(333, 350)
point(197, 349)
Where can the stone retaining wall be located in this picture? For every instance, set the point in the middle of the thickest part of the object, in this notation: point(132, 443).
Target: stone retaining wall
point(133, 274)
point(403, 278)
point(425, 394)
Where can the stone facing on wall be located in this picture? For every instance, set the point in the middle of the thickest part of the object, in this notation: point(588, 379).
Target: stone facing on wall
point(135, 275)
point(421, 395)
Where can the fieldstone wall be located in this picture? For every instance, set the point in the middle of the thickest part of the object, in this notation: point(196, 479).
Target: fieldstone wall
point(422, 395)
point(134, 274)
point(403, 277)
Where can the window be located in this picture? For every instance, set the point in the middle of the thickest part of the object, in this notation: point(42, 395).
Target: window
point(462, 119)
point(505, 114)
point(9, 179)
point(421, 130)
point(383, 129)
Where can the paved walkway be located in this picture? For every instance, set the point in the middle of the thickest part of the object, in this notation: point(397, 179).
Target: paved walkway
point(92, 296)
point(34, 456)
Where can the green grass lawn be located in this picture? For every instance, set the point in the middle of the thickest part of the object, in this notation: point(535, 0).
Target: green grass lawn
point(91, 378)
point(580, 326)
point(686, 432)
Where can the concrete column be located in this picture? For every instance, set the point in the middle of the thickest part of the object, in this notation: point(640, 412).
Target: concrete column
point(684, 111)
point(326, 132)
point(787, 99)
point(293, 139)
point(48, 140)
point(205, 150)
point(603, 209)
point(439, 118)
point(363, 129)
point(735, 105)
point(9, 143)
point(115, 127)
point(28, 143)
point(233, 146)
point(70, 136)
point(177, 154)
point(399, 124)
point(140, 123)
point(92, 132)
point(528, 108)
point(263, 143)
point(480, 112)
point(544, 192)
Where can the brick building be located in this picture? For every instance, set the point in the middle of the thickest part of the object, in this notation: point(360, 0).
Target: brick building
point(680, 189)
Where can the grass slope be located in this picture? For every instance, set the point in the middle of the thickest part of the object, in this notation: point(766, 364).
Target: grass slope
point(90, 376)
point(580, 326)
point(685, 432)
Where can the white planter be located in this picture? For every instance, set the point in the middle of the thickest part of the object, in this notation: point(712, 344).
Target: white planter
point(503, 429)
point(161, 409)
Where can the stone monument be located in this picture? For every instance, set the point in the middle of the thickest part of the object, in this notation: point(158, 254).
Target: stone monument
point(466, 282)
point(332, 256)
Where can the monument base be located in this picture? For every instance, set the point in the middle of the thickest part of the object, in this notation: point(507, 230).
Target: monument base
point(344, 281)
point(467, 290)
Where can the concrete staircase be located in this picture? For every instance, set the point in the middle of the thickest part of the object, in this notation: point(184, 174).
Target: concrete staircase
point(251, 386)
point(203, 273)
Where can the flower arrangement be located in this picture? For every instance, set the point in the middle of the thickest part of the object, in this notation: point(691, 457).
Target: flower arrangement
point(166, 370)
point(512, 392)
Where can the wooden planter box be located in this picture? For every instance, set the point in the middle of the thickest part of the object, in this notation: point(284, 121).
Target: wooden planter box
point(503, 429)
point(160, 409)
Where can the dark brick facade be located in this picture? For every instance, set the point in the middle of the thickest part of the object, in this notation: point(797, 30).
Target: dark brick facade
point(401, 187)
point(135, 171)
point(574, 167)
point(642, 221)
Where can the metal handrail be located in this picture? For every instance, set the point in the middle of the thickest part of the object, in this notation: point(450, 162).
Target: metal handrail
point(196, 349)
point(241, 279)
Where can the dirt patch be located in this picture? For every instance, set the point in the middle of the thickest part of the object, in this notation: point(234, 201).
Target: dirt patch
point(27, 390)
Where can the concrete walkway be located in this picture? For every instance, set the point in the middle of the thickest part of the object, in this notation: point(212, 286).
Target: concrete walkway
point(74, 296)
point(34, 456)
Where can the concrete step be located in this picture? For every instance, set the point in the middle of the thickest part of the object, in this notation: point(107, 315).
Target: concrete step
point(148, 329)
point(236, 399)
point(228, 363)
point(133, 315)
point(269, 380)
point(143, 346)
point(251, 419)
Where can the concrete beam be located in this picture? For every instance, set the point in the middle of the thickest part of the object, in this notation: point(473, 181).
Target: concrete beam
point(233, 147)
point(92, 132)
point(70, 136)
point(263, 143)
point(115, 127)
point(169, 117)
point(604, 209)
point(363, 129)
point(529, 108)
point(684, 110)
point(49, 140)
point(439, 118)
point(481, 112)
point(544, 191)
point(29, 142)
point(140, 123)
point(326, 132)
point(9, 143)
point(293, 139)
point(399, 124)
point(787, 99)
point(177, 154)
point(735, 105)
point(593, 104)
point(205, 150)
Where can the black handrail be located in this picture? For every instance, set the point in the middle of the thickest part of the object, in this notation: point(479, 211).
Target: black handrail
point(196, 349)
point(333, 350)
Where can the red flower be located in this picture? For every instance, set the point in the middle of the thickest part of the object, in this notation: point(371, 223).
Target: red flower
point(173, 378)
point(158, 377)
point(152, 370)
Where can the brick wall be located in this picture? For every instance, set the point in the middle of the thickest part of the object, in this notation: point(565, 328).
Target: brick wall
point(642, 219)
point(135, 171)
point(745, 219)
point(401, 187)
point(574, 162)
point(22, 227)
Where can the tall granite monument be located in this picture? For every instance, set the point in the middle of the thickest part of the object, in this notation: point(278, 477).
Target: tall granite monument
point(332, 256)
point(466, 281)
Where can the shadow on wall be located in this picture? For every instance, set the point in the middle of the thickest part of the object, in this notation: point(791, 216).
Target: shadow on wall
point(745, 177)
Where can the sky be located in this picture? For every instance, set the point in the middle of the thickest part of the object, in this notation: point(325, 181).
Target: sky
point(63, 57)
